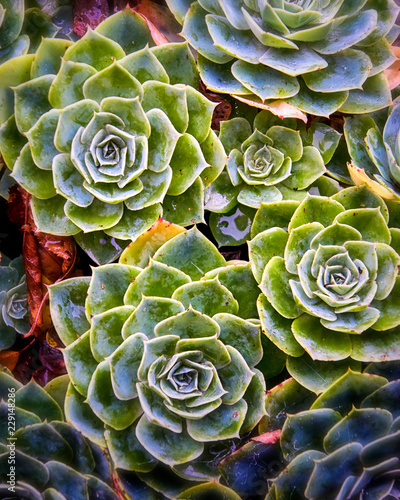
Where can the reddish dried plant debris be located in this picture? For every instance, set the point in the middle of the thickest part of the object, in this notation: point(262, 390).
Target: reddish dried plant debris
point(269, 437)
point(223, 110)
point(39, 361)
point(46, 258)
point(89, 13)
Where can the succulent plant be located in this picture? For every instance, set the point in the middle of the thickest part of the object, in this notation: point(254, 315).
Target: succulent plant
point(320, 56)
point(161, 359)
point(41, 455)
point(107, 134)
point(328, 271)
point(14, 317)
point(345, 445)
point(20, 29)
point(374, 152)
point(273, 160)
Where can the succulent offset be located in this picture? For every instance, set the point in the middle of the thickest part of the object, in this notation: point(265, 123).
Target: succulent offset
point(51, 459)
point(112, 138)
point(345, 445)
point(20, 29)
point(273, 160)
point(330, 280)
point(375, 152)
point(164, 357)
point(319, 55)
point(14, 309)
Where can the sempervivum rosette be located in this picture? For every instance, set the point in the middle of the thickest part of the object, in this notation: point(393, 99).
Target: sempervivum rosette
point(14, 310)
point(314, 54)
point(111, 134)
point(345, 446)
point(41, 455)
point(375, 153)
point(164, 357)
point(330, 280)
point(20, 29)
point(272, 160)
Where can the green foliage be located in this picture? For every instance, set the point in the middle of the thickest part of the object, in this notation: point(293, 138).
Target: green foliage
point(50, 458)
point(319, 56)
point(345, 445)
point(330, 280)
point(103, 131)
point(273, 160)
point(14, 316)
point(375, 152)
point(164, 370)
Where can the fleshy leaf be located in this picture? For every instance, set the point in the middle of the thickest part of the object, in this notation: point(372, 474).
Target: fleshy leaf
point(67, 307)
point(190, 252)
point(222, 423)
point(207, 296)
point(320, 343)
point(106, 331)
point(165, 445)
point(108, 286)
point(114, 412)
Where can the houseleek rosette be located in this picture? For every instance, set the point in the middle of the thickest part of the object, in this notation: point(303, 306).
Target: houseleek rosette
point(163, 368)
point(345, 445)
point(107, 134)
point(320, 56)
point(51, 459)
point(375, 153)
point(330, 280)
point(272, 160)
point(14, 316)
point(20, 29)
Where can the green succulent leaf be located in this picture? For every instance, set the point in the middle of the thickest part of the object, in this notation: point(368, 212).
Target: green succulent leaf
point(126, 451)
point(82, 417)
point(207, 296)
point(68, 308)
point(107, 287)
point(106, 331)
point(33, 398)
point(320, 343)
point(306, 430)
point(278, 328)
point(203, 256)
point(116, 413)
point(80, 363)
point(223, 423)
point(149, 280)
point(165, 445)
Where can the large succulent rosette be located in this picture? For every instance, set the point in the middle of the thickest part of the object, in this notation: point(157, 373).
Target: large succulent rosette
point(41, 455)
point(272, 160)
point(162, 359)
point(320, 56)
point(375, 152)
point(14, 310)
point(345, 444)
point(107, 134)
point(328, 270)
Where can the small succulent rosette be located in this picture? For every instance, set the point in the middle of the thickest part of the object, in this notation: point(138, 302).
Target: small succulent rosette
point(345, 444)
point(21, 30)
point(107, 134)
point(50, 459)
point(375, 152)
point(319, 56)
point(14, 309)
point(272, 160)
point(162, 358)
point(328, 271)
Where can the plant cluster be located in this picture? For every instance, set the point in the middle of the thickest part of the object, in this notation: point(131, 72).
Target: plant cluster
point(266, 370)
